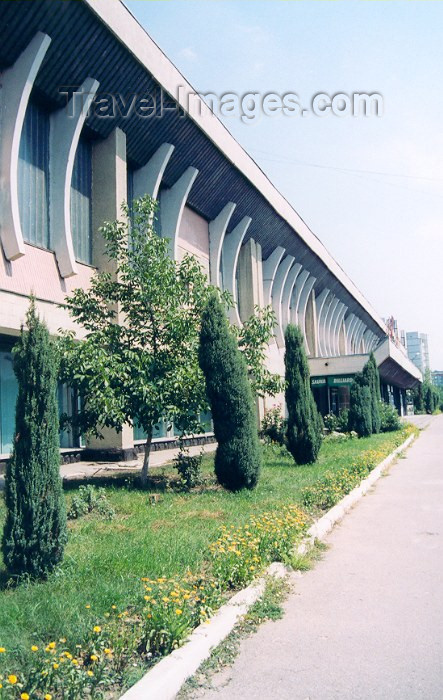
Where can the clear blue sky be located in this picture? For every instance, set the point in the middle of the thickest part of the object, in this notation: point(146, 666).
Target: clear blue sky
point(386, 230)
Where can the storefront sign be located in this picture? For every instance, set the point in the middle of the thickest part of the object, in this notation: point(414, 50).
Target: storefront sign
point(340, 381)
point(318, 381)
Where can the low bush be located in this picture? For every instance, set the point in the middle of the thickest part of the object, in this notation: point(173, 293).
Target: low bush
point(90, 499)
point(330, 422)
point(189, 468)
point(390, 419)
point(273, 426)
point(343, 421)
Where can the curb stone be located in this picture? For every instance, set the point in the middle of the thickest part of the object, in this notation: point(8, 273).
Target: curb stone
point(165, 679)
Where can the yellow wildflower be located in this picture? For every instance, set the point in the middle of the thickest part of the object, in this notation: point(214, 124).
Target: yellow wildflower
point(90, 673)
point(24, 696)
point(12, 679)
point(2, 650)
point(34, 648)
point(97, 629)
point(178, 611)
point(48, 696)
point(55, 666)
point(94, 657)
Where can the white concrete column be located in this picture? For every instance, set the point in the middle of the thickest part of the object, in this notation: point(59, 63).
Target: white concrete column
point(217, 232)
point(16, 86)
point(172, 203)
point(109, 190)
point(249, 281)
point(270, 266)
point(231, 250)
point(287, 294)
point(65, 128)
point(277, 296)
point(147, 179)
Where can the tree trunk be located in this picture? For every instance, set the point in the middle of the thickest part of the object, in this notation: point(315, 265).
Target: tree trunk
point(145, 468)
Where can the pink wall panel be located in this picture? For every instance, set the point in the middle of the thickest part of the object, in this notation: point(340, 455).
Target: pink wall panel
point(37, 272)
point(195, 230)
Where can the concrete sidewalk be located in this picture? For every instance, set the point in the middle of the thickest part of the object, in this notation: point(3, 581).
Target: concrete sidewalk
point(367, 622)
point(83, 470)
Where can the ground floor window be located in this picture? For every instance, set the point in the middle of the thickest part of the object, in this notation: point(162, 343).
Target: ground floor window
point(67, 400)
point(167, 429)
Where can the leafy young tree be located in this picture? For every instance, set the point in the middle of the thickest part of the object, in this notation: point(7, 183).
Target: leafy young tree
point(360, 405)
point(139, 360)
point(372, 379)
point(140, 364)
point(304, 426)
point(35, 532)
point(238, 457)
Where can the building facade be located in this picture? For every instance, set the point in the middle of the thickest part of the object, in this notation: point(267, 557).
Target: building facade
point(93, 113)
point(437, 378)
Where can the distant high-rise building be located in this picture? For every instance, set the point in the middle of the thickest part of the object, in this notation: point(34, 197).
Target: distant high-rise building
point(437, 378)
point(418, 350)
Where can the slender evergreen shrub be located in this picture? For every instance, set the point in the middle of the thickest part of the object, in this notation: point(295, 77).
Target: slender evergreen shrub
point(304, 426)
point(371, 375)
point(35, 532)
point(360, 407)
point(238, 455)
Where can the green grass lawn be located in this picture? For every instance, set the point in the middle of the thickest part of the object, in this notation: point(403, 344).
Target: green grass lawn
point(105, 559)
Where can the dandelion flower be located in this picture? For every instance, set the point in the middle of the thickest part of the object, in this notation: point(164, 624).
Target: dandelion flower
point(97, 629)
point(34, 648)
point(178, 611)
point(12, 679)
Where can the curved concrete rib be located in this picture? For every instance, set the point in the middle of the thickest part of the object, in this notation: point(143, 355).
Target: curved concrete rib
point(147, 179)
point(301, 311)
point(172, 203)
point(217, 232)
point(341, 310)
point(270, 266)
point(65, 129)
point(350, 322)
point(328, 325)
point(231, 250)
point(277, 296)
point(322, 308)
point(352, 328)
point(287, 293)
point(355, 332)
point(16, 86)
point(367, 341)
point(296, 296)
point(359, 338)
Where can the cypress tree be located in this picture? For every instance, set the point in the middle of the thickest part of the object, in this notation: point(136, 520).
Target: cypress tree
point(35, 531)
point(238, 455)
point(372, 378)
point(360, 405)
point(304, 427)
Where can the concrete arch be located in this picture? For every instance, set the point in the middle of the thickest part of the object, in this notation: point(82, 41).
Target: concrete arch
point(16, 86)
point(322, 303)
point(231, 250)
point(296, 296)
point(359, 338)
point(330, 317)
point(64, 134)
point(281, 276)
point(354, 336)
point(349, 323)
point(269, 267)
point(217, 232)
point(287, 293)
point(338, 320)
point(147, 179)
point(301, 311)
point(172, 203)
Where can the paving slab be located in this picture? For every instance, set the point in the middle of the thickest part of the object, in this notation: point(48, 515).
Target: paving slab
point(367, 622)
